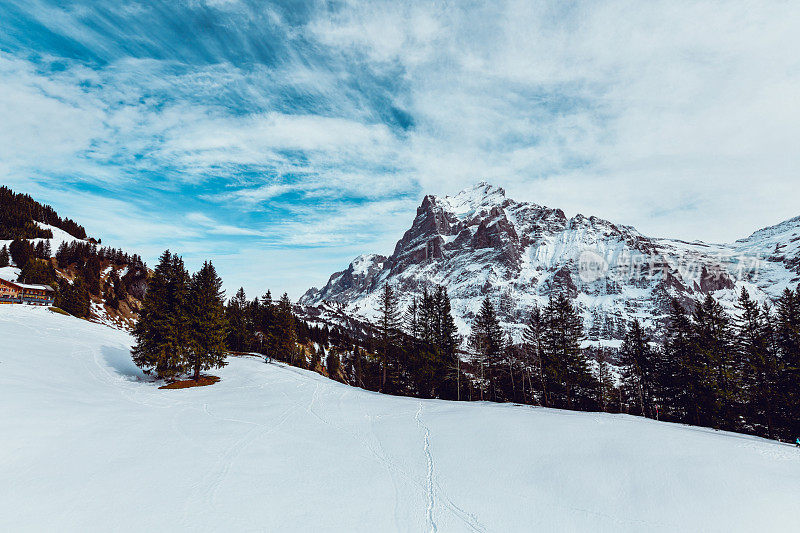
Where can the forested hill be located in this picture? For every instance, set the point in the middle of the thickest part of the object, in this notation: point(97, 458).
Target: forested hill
point(19, 214)
point(104, 284)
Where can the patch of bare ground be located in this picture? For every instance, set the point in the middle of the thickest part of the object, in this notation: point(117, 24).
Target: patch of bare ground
point(187, 383)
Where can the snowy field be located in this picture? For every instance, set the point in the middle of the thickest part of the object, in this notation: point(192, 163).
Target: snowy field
point(87, 445)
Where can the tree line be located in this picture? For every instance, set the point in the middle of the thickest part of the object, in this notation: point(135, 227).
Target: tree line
point(19, 211)
point(705, 367)
point(708, 368)
point(739, 373)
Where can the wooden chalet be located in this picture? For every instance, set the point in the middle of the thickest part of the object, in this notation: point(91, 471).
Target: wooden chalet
point(12, 292)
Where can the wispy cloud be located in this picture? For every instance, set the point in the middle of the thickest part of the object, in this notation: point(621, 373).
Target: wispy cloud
point(232, 128)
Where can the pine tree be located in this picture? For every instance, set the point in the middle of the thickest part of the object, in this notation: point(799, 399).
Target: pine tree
point(38, 271)
point(388, 328)
point(74, 298)
point(720, 370)
point(448, 342)
point(161, 333)
point(607, 389)
point(332, 364)
point(754, 332)
point(265, 324)
point(787, 335)
point(236, 312)
point(680, 374)
point(4, 257)
point(487, 342)
point(638, 368)
point(21, 251)
point(562, 338)
point(207, 320)
point(536, 361)
point(512, 363)
point(285, 331)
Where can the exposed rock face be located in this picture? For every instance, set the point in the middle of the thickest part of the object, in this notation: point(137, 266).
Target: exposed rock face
point(358, 278)
point(481, 243)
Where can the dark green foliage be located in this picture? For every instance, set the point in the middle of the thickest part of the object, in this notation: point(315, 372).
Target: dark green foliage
point(426, 361)
point(388, 332)
point(608, 396)
point(207, 321)
point(162, 332)
point(755, 331)
point(741, 374)
point(285, 334)
point(487, 341)
point(21, 252)
point(182, 327)
point(315, 359)
point(569, 382)
point(38, 271)
point(787, 337)
point(4, 256)
point(332, 364)
point(18, 213)
point(536, 363)
point(638, 362)
point(239, 319)
point(74, 298)
point(679, 380)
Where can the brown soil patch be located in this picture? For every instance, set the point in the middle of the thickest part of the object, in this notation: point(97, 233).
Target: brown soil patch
point(186, 383)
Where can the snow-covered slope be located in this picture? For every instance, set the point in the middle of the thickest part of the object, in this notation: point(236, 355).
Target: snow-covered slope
point(480, 242)
point(89, 445)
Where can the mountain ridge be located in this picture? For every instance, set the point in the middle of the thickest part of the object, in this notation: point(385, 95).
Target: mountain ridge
point(480, 242)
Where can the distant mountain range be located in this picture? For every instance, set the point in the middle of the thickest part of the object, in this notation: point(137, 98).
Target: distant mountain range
point(479, 242)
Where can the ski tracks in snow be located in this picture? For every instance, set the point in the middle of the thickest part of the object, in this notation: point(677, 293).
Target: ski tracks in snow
point(209, 486)
point(429, 476)
point(433, 488)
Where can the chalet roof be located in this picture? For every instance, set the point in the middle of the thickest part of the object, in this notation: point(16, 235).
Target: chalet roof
point(30, 286)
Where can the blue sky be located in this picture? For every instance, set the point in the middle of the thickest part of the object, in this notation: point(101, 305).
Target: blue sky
point(283, 139)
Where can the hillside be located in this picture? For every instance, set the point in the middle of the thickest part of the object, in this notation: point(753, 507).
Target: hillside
point(480, 242)
point(89, 444)
point(47, 249)
point(21, 217)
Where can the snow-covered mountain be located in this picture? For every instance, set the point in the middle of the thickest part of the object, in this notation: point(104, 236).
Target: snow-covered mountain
point(91, 444)
point(480, 242)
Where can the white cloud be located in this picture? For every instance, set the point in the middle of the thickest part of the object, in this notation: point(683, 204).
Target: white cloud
point(680, 118)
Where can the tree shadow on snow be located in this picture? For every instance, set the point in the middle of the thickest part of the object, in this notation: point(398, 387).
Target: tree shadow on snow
point(119, 359)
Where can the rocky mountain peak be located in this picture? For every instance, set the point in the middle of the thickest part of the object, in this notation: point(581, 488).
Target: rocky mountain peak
point(480, 242)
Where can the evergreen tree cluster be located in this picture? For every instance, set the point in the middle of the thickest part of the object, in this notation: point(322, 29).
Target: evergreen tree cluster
point(264, 326)
point(411, 354)
point(21, 251)
point(74, 298)
point(84, 262)
point(426, 362)
point(739, 374)
point(182, 327)
point(18, 213)
point(87, 261)
point(550, 368)
point(707, 368)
